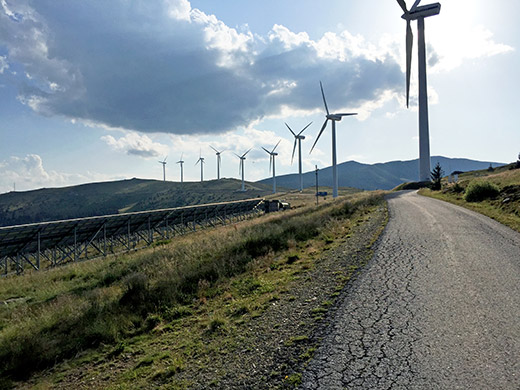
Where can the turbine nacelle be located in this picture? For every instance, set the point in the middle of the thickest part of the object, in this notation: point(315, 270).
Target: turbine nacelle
point(422, 12)
point(334, 117)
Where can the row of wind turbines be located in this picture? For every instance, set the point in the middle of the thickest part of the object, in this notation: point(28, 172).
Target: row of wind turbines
point(298, 138)
point(416, 12)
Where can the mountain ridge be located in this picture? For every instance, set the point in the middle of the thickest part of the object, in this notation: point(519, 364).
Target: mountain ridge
point(378, 176)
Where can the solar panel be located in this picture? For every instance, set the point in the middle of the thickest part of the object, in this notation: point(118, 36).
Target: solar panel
point(37, 238)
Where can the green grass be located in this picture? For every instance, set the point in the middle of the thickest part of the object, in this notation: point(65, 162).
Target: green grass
point(108, 305)
point(503, 207)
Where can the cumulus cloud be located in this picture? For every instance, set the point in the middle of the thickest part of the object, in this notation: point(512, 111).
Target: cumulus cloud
point(182, 71)
point(136, 144)
point(164, 66)
point(28, 173)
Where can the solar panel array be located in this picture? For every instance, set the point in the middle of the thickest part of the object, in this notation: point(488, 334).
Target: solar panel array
point(40, 237)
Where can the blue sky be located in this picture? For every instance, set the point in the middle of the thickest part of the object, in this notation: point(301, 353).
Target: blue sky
point(93, 91)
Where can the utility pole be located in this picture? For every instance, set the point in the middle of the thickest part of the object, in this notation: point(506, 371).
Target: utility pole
point(317, 185)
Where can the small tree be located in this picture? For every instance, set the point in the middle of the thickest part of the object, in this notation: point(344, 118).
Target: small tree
point(518, 161)
point(436, 176)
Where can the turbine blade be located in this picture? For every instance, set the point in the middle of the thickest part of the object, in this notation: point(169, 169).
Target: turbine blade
point(403, 5)
point(319, 135)
point(305, 128)
point(270, 163)
point(240, 167)
point(290, 129)
point(214, 149)
point(246, 152)
point(294, 149)
point(276, 146)
point(414, 6)
point(266, 150)
point(324, 101)
point(409, 46)
point(182, 154)
point(236, 155)
point(347, 114)
point(165, 158)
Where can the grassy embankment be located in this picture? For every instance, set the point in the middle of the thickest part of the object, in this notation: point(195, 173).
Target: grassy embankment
point(105, 318)
point(503, 207)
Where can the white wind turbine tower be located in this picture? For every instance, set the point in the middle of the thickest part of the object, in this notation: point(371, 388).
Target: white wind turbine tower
point(333, 118)
point(181, 162)
point(298, 138)
point(201, 161)
point(241, 167)
point(272, 155)
point(419, 13)
point(163, 162)
point(218, 160)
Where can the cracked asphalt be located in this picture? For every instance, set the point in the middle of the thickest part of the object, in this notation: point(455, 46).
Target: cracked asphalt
point(438, 306)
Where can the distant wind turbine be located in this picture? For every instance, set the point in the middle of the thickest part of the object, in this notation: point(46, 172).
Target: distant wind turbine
point(181, 162)
point(333, 118)
point(298, 138)
point(272, 155)
point(218, 160)
point(241, 167)
point(164, 167)
point(419, 13)
point(201, 161)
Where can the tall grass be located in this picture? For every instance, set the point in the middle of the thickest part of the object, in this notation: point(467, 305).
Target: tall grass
point(62, 312)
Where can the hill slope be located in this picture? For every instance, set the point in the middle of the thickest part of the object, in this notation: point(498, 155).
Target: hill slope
point(382, 176)
point(92, 199)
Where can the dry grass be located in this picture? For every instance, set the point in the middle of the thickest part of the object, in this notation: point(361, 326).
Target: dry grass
point(53, 315)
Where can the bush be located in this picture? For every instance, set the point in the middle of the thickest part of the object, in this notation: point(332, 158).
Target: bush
point(480, 190)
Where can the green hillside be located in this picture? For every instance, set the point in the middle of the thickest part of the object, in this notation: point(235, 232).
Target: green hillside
point(114, 197)
point(494, 192)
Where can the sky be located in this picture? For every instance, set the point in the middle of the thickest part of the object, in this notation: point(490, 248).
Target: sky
point(96, 91)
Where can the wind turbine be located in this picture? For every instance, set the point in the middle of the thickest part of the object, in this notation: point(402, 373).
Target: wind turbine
point(218, 161)
point(298, 138)
point(241, 167)
point(333, 118)
point(201, 161)
point(272, 155)
point(164, 167)
point(181, 162)
point(419, 13)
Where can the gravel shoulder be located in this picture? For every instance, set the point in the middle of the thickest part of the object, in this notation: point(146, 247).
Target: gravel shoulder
point(438, 306)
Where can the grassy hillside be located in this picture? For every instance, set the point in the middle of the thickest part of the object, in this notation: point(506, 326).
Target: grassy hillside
point(200, 310)
point(503, 206)
point(93, 199)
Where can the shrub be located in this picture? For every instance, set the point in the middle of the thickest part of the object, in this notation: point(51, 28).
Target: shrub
point(480, 190)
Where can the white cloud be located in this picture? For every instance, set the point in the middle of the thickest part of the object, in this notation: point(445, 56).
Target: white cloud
point(3, 64)
point(466, 43)
point(179, 9)
point(27, 173)
point(136, 144)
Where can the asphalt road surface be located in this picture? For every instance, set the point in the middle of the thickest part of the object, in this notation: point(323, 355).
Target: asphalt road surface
point(438, 307)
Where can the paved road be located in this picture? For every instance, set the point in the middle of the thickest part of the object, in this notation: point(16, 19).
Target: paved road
point(438, 307)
